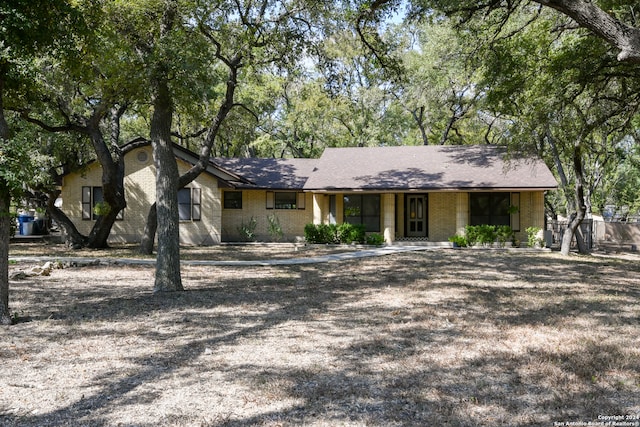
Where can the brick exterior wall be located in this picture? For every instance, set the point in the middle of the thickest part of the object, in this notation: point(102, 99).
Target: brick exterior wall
point(449, 213)
point(254, 205)
point(531, 212)
point(140, 191)
point(442, 216)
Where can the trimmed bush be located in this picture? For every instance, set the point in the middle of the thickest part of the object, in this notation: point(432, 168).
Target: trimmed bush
point(321, 233)
point(351, 233)
point(459, 241)
point(533, 238)
point(375, 239)
point(486, 235)
point(311, 234)
point(471, 233)
point(334, 234)
point(504, 234)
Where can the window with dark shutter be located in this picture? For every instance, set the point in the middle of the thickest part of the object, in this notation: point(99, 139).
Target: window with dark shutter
point(189, 204)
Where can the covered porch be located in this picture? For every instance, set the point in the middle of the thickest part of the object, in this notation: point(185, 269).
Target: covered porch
point(429, 217)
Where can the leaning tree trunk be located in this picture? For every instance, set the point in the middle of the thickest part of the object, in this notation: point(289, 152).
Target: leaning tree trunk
point(149, 234)
point(112, 185)
point(113, 193)
point(73, 238)
point(112, 176)
point(418, 117)
point(581, 209)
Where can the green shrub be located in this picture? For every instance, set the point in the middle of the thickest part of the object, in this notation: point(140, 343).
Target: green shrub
point(485, 234)
point(504, 234)
point(274, 227)
point(329, 233)
point(375, 239)
point(321, 233)
point(334, 234)
point(311, 233)
point(248, 231)
point(351, 233)
point(532, 237)
point(471, 234)
point(459, 241)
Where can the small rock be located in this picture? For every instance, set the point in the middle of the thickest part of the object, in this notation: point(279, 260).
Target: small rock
point(18, 275)
point(35, 271)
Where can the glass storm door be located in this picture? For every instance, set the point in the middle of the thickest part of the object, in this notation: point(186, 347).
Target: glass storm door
point(416, 216)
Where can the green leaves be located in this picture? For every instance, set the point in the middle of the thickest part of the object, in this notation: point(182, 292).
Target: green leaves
point(22, 164)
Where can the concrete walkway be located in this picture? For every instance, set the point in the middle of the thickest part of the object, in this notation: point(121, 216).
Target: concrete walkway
point(344, 256)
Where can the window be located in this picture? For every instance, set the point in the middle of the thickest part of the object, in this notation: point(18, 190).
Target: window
point(285, 200)
point(189, 204)
point(489, 208)
point(363, 209)
point(91, 197)
point(233, 200)
point(332, 209)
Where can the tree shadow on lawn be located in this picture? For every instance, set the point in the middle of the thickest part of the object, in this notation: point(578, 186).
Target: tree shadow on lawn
point(489, 391)
point(495, 388)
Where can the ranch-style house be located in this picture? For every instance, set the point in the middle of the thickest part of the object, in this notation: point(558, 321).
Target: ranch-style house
point(417, 193)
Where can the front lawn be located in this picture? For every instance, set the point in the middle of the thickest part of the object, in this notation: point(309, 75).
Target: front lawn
point(436, 338)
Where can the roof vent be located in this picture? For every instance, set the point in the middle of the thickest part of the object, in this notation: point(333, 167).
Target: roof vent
point(142, 156)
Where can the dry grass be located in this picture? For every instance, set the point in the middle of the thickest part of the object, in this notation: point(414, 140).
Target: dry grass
point(249, 251)
point(443, 338)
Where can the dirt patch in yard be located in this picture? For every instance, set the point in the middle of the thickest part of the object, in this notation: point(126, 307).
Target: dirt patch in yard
point(439, 338)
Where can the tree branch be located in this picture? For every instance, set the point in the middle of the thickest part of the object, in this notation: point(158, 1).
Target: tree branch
point(588, 15)
point(68, 127)
point(195, 134)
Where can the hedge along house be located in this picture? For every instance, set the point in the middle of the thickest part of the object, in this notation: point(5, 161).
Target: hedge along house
point(428, 193)
point(425, 193)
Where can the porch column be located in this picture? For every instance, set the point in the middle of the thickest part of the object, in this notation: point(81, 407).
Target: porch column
point(318, 207)
point(389, 217)
point(462, 212)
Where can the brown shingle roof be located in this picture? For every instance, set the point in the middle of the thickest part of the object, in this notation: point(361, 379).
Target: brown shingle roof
point(271, 174)
point(406, 168)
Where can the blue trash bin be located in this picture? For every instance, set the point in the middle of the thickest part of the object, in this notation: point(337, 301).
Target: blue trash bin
point(23, 229)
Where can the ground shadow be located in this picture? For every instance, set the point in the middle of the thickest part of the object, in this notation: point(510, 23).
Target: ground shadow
point(404, 370)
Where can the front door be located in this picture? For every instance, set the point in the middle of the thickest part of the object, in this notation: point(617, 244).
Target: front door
point(416, 215)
